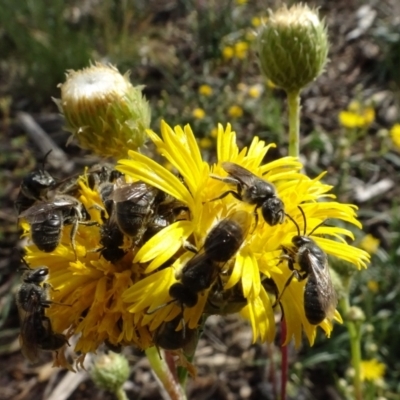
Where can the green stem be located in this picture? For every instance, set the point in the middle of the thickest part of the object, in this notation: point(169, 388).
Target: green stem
point(162, 371)
point(294, 123)
point(121, 394)
point(355, 343)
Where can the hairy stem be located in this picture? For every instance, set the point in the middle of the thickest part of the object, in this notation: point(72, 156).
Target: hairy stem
point(294, 123)
point(167, 380)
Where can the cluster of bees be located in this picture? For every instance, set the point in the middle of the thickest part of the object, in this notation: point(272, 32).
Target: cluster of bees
point(138, 211)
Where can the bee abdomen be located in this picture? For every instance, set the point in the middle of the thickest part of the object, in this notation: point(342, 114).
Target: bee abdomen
point(47, 235)
point(313, 308)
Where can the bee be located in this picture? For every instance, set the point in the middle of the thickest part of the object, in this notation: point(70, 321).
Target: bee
point(35, 186)
point(97, 175)
point(111, 238)
point(201, 271)
point(320, 298)
point(133, 207)
point(253, 190)
point(165, 212)
point(169, 338)
point(36, 330)
point(47, 219)
point(225, 302)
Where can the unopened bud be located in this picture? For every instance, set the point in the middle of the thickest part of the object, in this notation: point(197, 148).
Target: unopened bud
point(103, 111)
point(293, 47)
point(110, 371)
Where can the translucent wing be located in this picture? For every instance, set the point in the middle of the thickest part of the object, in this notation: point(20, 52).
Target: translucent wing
point(133, 191)
point(244, 176)
point(323, 283)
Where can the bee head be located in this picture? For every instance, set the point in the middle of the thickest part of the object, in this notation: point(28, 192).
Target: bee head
point(36, 276)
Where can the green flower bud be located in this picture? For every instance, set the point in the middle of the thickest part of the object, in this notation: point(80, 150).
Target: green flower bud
point(110, 371)
point(104, 111)
point(356, 314)
point(293, 47)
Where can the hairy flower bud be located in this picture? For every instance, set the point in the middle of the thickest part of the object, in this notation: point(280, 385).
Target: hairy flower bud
point(110, 371)
point(293, 47)
point(104, 112)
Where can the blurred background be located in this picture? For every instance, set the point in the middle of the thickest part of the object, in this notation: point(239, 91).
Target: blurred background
point(199, 66)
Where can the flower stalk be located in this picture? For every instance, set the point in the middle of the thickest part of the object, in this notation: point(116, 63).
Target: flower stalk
point(164, 374)
point(294, 123)
point(354, 329)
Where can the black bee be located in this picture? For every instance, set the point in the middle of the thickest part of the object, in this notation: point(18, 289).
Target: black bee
point(35, 186)
point(320, 298)
point(166, 211)
point(253, 190)
point(97, 175)
point(220, 245)
point(169, 338)
point(111, 238)
point(225, 302)
point(134, 207)
point(47, 219)
point(36, 331)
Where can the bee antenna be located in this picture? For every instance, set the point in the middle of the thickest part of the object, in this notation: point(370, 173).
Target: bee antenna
point(304, 219)
point(295, 223)
point(21, 257)
point(320, 224)
point(45, 158)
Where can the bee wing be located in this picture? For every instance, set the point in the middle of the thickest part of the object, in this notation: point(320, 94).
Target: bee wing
point(133, 191)
point(244, 176)
point(39, 212)
point(28, 338)
point(326, 293)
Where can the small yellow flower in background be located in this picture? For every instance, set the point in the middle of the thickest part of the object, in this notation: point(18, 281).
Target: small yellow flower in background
point(205, 90)
point(357, 116)
point(198, 113)
point(372, 370)
point(235, 111)
point(370, 244)
point(241, 2)
point(373, 286)
point(395, 135)
point(255, 91)
point(241, 49)
point(256, 21)
point(228, 52)
point(205, 143)
point(214, 133)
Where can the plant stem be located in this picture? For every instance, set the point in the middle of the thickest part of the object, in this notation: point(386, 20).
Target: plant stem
point(294, 123)
point(284, 366)
point(162, 371)
point(121, 394)
point(355, 342)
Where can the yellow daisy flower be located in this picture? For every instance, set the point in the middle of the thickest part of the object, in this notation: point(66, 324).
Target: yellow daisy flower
point(205, 90)
point(395, 135)
point(198, 113)
point(235, 111)
point(128, 301)
point(258, 256)
point(357, 116)
point(372, 370)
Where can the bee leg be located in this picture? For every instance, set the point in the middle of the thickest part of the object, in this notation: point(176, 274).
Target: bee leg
point(236, 195)
point(256, 219)
point(226, 179)
point(190, 247)
point(292, 275)
point(148, 312)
